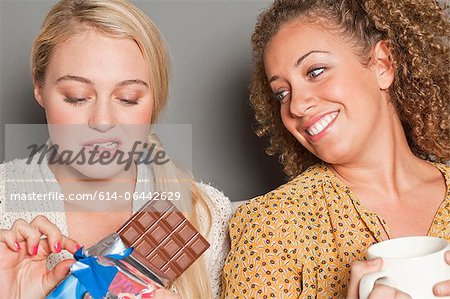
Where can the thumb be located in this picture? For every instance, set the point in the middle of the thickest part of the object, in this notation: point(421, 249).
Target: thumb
point(357, 271)
point(56, 275)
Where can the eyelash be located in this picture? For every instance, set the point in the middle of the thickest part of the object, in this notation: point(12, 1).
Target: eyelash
point(279, 96)
point(127, 102)
point(75, 101)
point(80, 101)
point(311, 72)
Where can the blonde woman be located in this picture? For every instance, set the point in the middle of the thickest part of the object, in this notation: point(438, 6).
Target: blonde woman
point(101, 71)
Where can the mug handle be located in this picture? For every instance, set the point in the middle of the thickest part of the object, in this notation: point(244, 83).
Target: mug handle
point(368, 281)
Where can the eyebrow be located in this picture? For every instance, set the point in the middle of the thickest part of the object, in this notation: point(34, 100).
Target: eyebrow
point(298, 62)
point(130, 82)
point(87, 81)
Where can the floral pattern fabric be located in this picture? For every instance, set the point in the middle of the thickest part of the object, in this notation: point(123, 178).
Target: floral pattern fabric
point(299, 240)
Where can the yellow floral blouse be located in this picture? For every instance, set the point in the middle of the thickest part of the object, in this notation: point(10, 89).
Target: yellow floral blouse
point(299, 240)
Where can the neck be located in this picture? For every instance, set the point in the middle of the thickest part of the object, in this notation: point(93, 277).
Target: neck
point(99, 194)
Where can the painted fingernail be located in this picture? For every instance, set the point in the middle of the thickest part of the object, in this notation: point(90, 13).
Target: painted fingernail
point(148, 295)
point(57, 247)
point(35, 249)
point(77, 246)
point(17, 245)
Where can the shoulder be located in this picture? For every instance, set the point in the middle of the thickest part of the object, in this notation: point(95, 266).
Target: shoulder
point(286, 209)
point(445, 171)
point(444, 168)
point(288, 197)
point(13, 174)
point(19, 169)
point(218, 203)
point(221, 211)
point(9, 171)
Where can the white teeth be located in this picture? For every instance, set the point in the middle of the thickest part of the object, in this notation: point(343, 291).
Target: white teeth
point(319, 127)
point(321, 124)
point(111, 144)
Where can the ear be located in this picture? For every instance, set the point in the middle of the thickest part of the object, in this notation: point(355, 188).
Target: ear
point(38, 93)
point(384, 64)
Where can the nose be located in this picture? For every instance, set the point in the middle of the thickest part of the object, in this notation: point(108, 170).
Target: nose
point(101, 117)
point(301, 102)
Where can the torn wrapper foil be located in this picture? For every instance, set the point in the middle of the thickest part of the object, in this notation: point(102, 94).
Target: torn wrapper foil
point(106, 270)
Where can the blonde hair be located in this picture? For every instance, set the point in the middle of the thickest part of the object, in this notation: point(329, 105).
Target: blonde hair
point(119, 18)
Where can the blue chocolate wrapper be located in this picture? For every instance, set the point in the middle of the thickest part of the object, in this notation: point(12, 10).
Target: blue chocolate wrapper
point(95, 270)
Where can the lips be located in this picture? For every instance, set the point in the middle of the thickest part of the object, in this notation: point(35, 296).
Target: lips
point(321, 124)
point(318, 126)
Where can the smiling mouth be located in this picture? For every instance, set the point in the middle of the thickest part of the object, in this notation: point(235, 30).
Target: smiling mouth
point(321, 124)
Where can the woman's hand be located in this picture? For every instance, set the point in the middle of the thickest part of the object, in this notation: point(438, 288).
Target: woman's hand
point(443, 288)
point(23, 266)
point(359, 269)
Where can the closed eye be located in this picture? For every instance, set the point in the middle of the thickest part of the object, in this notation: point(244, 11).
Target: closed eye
point(279, 96)
point(75, 101)
point(315, 72)
point(129, 102)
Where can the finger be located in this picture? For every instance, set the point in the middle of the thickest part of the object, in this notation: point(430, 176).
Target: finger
point(69, 244)
point(23, 231)
point(47, 228)
point(45, 250)
point(381, 291)
point(357, 271)
point(154, 285)
point(9, 238)
point(52, 278)
point(442, 289)
point(447, 257)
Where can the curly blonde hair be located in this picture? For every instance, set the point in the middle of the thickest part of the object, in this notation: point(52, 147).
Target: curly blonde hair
point(417, 33)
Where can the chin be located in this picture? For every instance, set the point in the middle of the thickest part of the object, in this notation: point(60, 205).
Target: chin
point(335, 154)
point(100, 172)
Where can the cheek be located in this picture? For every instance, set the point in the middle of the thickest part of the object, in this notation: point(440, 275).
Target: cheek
point(136, 115)
point(63, 114)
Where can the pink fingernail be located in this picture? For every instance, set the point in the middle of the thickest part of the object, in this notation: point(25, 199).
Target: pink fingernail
point(148, 295)
point(35, 249)
point(17, 245)
point(57, 247)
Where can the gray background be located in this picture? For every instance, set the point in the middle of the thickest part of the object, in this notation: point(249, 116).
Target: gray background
point(209, 43)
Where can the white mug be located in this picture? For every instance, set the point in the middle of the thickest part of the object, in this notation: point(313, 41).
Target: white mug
point(412, 265)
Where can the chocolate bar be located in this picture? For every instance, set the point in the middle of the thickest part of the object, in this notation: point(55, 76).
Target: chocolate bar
point(165, 242)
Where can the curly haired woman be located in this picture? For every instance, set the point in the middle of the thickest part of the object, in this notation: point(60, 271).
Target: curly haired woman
point(354, 97)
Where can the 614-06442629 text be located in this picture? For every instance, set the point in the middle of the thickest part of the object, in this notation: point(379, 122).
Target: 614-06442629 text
point(97, 195)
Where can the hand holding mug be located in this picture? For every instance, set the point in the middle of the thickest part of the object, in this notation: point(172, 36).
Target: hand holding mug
point(361, 268)
point(413, 265)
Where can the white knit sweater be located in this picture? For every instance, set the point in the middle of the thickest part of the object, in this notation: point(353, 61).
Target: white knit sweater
point(15, 177)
